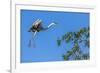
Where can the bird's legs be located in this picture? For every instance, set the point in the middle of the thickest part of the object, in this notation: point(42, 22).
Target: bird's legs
point(30, 41)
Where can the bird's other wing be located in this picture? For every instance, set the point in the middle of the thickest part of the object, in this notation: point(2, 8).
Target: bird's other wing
point(37, 22)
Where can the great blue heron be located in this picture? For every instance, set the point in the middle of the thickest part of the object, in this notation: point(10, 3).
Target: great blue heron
point(37, 27)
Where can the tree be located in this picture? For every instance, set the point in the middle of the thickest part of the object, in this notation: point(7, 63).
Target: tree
point(78, 40)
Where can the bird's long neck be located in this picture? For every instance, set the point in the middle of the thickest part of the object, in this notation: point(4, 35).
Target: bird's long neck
point(51, 25)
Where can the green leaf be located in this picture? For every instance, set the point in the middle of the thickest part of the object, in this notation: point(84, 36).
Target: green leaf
point(65, 57)
point(58, 42)
point(69, 53)
point(68, 37)
point(86, 56)
point(87, 43)
point(77, 38)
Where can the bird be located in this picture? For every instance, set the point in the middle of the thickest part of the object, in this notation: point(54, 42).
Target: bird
point(37, 27)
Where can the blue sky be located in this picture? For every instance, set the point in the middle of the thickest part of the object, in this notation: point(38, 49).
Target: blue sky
point(46, 48)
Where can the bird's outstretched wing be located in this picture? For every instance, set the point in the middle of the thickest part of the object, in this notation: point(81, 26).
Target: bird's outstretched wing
point(34, 23)
point(37, 23)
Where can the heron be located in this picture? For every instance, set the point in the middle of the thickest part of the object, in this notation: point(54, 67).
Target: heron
point(37, 27)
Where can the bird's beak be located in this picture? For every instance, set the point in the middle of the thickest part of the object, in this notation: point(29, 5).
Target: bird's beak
point(55, 23)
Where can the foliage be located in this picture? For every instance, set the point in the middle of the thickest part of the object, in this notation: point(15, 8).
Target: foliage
point(78, 39)
point(58, 42)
